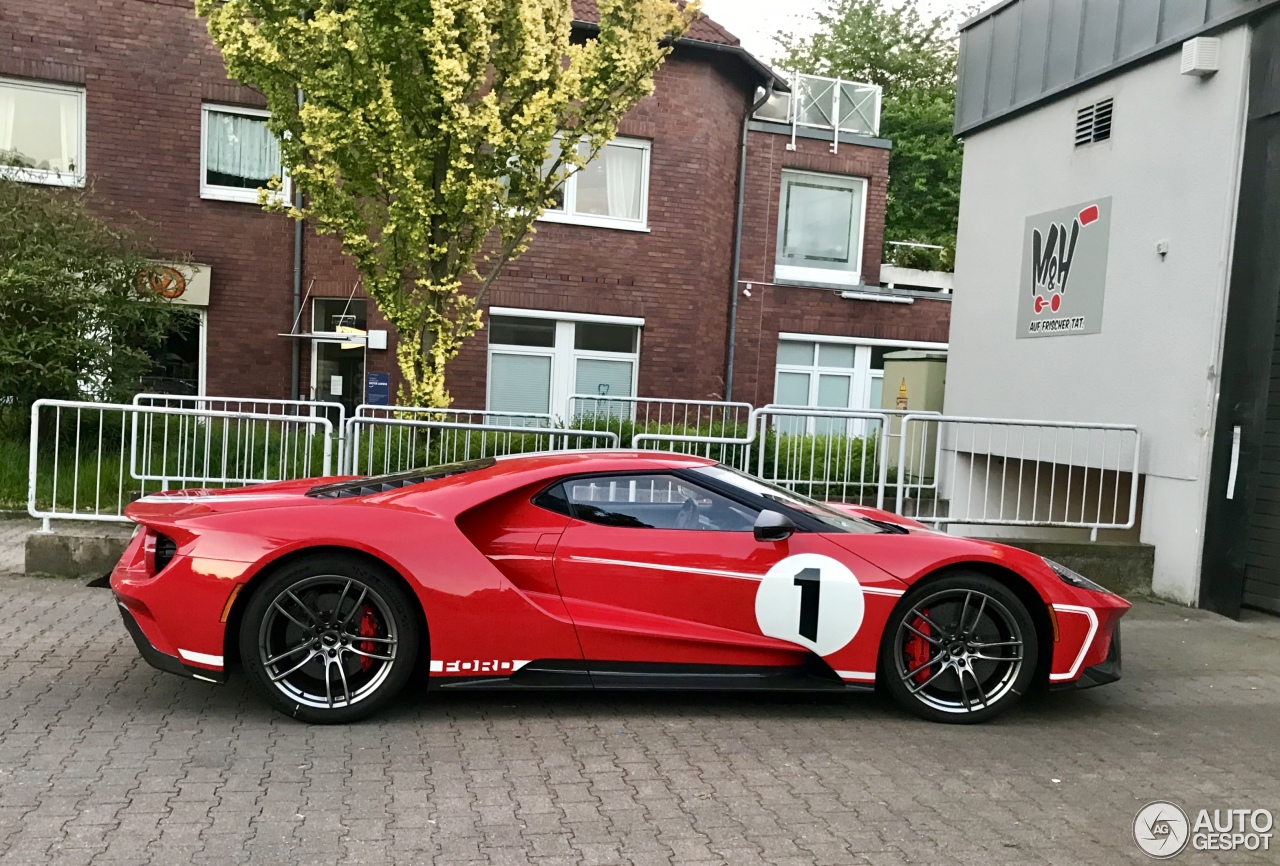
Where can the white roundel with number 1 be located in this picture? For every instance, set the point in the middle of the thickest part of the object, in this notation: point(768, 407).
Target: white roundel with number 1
point(811, 600)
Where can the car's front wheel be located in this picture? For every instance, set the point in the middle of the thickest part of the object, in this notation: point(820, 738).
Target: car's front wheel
point(959, 649)
point(329, 639)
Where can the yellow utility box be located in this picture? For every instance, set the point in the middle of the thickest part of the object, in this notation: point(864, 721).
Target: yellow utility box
point(914, 381)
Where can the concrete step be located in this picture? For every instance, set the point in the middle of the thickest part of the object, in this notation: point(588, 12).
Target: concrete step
point(1124, 568)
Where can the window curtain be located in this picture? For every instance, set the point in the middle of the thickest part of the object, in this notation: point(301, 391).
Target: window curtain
point(624, 176)
point(8, 111)
point(69, 109)
point(242, 147)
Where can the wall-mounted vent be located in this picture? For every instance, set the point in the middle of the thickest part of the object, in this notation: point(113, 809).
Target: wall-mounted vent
point(1093, 123)
point(1200, 56)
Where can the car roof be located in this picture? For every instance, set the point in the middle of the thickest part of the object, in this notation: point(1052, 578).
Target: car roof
point(601, 459)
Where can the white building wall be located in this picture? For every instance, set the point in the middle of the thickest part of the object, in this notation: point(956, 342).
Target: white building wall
point(1171, 168)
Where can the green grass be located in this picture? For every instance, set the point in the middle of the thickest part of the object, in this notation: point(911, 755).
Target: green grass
point(101, 468)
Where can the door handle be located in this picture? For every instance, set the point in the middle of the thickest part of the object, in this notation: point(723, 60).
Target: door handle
point(1235, 464)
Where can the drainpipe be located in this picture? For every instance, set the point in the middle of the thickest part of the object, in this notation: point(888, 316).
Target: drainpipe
point(297, 287)
point(737, 238)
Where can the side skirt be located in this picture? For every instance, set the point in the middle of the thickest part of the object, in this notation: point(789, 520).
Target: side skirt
point(551, 674)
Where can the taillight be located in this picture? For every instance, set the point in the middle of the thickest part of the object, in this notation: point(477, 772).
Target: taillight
point(159, 551)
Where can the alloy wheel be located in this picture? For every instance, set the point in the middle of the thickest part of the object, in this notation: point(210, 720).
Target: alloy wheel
point(959, 651)
point(328, 642)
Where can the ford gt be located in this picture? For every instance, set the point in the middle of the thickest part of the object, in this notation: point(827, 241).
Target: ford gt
point(594, 570)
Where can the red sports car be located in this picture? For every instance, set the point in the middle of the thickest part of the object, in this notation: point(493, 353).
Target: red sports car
point(595, 570)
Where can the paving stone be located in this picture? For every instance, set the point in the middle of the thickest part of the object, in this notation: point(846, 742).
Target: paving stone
point(105, 761)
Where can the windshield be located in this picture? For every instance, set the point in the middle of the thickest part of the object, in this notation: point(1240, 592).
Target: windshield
point(830, 517)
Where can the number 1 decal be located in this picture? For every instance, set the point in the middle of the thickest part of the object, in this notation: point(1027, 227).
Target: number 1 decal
point(810, 583)
point(811, 600)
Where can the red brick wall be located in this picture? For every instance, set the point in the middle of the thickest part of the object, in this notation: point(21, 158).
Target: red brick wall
point(774, 309)
point(676, 275)
point(147, 65)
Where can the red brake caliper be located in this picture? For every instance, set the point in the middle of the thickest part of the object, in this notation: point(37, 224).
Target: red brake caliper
point(918, 650)
point(368, 628)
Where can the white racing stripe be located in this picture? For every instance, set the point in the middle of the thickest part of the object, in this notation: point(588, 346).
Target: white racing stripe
point(857, 676)
point(712, 572)
point(1088, 641)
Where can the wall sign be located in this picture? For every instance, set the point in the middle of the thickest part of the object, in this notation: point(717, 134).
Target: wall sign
point(1064, 271)
point(184, 283)
point(378, 389)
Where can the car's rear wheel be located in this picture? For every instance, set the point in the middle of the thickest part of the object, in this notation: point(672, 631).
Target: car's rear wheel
point(959, 649)
point(329, 639)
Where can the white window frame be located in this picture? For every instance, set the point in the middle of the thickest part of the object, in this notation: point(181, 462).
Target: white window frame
point(800, 274)
point(214, 192)
point(564, 355)
point(43, 175)
point(863, 375)
point(567, 216)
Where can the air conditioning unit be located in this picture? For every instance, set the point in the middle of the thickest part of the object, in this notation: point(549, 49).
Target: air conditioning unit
point(1200, 56)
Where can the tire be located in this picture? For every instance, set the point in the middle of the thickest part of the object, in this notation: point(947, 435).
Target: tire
point(329, 639)
point(945, 669)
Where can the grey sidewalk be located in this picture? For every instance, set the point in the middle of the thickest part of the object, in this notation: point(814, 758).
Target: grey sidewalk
point(103, 760)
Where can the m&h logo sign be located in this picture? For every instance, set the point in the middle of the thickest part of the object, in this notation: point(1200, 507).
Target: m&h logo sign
point(1064, 271)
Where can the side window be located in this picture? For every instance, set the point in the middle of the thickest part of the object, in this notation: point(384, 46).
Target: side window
point(653, 502)
point(553, 499)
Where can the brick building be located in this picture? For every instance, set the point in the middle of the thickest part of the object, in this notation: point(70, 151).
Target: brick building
point(627, 290)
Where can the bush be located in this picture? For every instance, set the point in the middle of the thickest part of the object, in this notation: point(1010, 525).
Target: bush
point(76, 319)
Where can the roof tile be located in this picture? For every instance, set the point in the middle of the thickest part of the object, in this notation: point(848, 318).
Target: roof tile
point(703, 29)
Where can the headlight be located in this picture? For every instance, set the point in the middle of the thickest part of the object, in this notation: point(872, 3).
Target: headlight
point(1076, 580)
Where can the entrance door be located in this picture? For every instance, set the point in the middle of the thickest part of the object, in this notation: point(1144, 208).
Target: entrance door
point(659, 570)
point(1241, 563)
point(338, 374)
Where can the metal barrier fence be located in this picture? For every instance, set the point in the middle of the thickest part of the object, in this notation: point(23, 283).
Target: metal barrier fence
point(384, 446)
point(651, 415)
point(458, 416)
point(829, 454)
point(335, 412)
point(987, 471)
point(832, 454)
point(89, 460)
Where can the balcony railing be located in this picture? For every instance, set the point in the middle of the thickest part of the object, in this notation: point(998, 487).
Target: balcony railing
point(828, 104)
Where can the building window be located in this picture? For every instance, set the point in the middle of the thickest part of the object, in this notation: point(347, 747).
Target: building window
point(178, 365)
point(538, 361)
point(820, 222)
point(41, 133)
point(611, 192)
point(239, 154)
point(833, 373)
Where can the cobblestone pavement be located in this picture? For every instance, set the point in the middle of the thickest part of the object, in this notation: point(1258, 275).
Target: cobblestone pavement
point(103, 760)
point(14, 530)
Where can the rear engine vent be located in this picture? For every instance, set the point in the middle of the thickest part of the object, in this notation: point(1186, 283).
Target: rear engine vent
point(166, 549)
point(1093, 123)
point(387, 483)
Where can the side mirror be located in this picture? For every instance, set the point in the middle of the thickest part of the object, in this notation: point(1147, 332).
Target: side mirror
point(772, 526)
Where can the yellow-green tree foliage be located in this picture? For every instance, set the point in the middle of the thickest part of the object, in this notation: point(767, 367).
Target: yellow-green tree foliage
point(423, 139)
